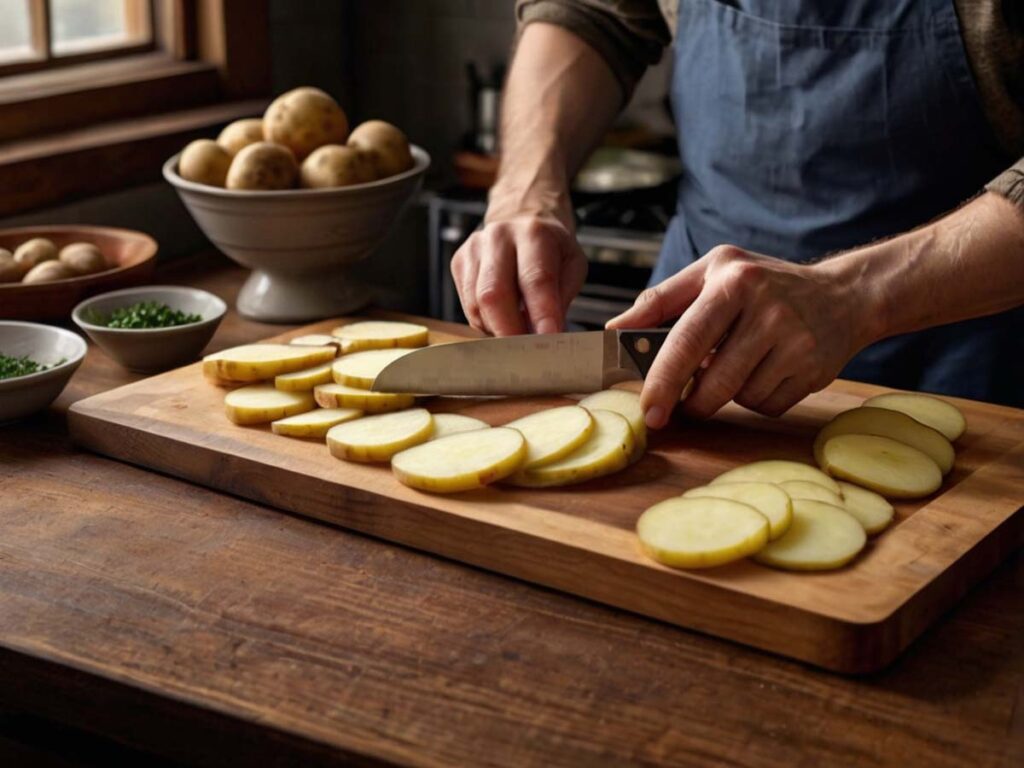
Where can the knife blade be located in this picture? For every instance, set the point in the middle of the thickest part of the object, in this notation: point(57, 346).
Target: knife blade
point(544, 364)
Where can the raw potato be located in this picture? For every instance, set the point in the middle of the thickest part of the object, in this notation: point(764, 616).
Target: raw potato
point(260, 403)
point(263, 166)
point(892, 424)
point(802, 489)
point(606, 451)
point(315, 423)
point(10, 270)
point(343, 396)
point(380, 334)
point(316, 340)
point(767, 498)
point(240, 134)
point(872, 511)
point(385, 145)
point(701, 532)
point(461, 462)
point(304, 380)
point(883, 465)
point(777, 471)
point(83, 258)
point(553, 433)
point(335, 166)
point(627, 405)
point(378, 438)
point(453, 423)
point(822, 537)
point(256, 362)
point(304, 119)
point(930, 411)
point(48, 271)
point(204, 161)
point(361, 368)
point(35, 251)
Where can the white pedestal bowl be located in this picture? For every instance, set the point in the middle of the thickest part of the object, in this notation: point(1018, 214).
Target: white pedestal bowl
point(300, 243)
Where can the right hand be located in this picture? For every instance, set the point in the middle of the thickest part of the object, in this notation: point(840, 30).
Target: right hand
point(519, 274)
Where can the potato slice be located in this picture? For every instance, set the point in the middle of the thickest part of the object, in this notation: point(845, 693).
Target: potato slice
point(260, 403)
point(767, 498)
point(627, 405)
point(313, 423)
point(305, 380)
point(802, 489)
point(883, 465)
point(777, 471)
point(607, 450)
point(941, 416)
point(378, 438)
point(701, 532)
point(380, 334)
point(553, 433)
point(361, 368)
point(256, 362)
point(453, 423)
point(316, 340)
point(821, 537)
point(342, 396)
point(892, 424)
point(872, 511)
point(461, 462)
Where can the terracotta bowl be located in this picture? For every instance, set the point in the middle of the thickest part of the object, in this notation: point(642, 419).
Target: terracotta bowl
point(132, 256)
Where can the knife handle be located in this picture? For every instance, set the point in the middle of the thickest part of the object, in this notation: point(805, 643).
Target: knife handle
point(642, 346)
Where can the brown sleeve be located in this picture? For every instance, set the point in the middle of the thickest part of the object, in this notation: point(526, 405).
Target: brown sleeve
point(1010, 184)
point(628, 34)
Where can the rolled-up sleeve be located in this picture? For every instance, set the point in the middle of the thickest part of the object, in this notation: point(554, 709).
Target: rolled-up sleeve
point(1010, 184)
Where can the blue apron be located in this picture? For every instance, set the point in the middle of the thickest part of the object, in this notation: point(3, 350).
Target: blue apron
point(811, 126)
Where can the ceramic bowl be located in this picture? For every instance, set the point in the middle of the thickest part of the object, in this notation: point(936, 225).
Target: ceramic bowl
point(300, 242)
point(24, 395)
point(148, 350)
point(130, 254)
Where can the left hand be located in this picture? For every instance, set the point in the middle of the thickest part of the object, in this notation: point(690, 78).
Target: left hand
point(771, 332)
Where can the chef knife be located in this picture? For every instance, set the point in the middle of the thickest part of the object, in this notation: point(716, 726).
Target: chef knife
point(544, 364)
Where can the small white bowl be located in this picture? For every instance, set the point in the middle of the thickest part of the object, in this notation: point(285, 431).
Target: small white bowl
point(24, 395)
point(148, 350)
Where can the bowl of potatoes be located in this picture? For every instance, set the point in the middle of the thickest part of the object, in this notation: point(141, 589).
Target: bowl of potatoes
point(298, 197)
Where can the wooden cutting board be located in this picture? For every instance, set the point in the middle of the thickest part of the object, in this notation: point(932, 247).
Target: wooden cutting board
point(581, 539)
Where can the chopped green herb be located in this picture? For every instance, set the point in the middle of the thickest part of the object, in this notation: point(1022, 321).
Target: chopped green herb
point(22, 366)
point(145, 314)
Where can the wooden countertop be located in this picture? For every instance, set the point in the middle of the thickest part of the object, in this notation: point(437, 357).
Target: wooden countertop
point(142, 616)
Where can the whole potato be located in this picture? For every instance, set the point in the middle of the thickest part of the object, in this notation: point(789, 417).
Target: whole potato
point(204, 161)
point(304, 119)
point(47, 272)
point(240, 134)
point(263, 166)
point(35, 251)
point(336, 166)
point(10, 270)
point(83, 258)
point(385, 145)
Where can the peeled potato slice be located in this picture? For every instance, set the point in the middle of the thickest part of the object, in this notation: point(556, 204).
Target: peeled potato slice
point(256, 362)
point(361, 368)
point(342, 396)
point(461, 462)
point(303, 381)
point(627, 405)
point(260, 403)
point(821, 537)
point(768, 499)
point(892, 424)
point(607, 450)
point(316, 340)
point(553, 433)
point(313, 423)
point(378, 438)
point(872, 511)
point(777, 471)
point(701, 532)
point(380, 334)
point(931, 411)
point(802, 489)
point(883, 465)
point(453, 423)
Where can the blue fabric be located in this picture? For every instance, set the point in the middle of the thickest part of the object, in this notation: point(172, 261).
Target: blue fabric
point(808, 127)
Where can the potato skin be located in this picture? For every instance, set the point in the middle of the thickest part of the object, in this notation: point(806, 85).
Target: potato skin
point(204, 161)
point(240, 134)
point(265, 166)
point(304, 119)
point(385, 145)
point(10, 270)
point(35, 251)
point(83, 258)
point(47, 272)
point(336, 166)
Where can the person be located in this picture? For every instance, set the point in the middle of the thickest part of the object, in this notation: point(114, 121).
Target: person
point(849, 202)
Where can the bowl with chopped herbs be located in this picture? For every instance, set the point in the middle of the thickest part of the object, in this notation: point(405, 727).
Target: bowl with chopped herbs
point(151, 328)
point(36, 363)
